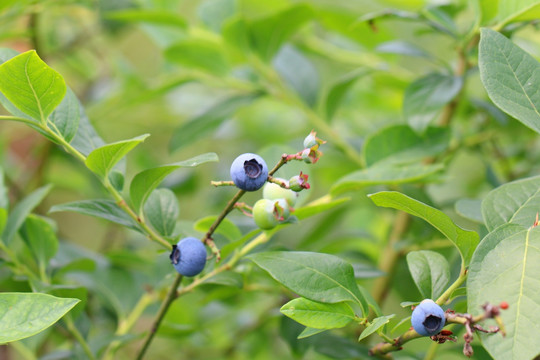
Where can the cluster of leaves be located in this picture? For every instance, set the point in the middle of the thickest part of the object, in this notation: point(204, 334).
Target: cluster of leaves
point(453, 163)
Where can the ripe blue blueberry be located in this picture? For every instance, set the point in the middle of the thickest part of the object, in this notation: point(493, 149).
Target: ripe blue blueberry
point(189, 256)
point(249, 172)
point(428, 318)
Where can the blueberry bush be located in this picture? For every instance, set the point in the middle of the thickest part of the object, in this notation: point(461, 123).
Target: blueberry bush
point(244, 179)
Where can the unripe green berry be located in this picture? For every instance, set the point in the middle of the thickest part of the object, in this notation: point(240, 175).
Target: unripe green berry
point(273, 191)
point(263, 214)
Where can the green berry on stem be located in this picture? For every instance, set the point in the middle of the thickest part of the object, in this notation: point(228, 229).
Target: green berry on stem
point(273, 191)
point(263, 214)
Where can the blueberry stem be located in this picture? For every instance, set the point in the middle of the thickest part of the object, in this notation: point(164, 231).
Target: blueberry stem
point(281, 183)
point(171, 296)
point(222, 183)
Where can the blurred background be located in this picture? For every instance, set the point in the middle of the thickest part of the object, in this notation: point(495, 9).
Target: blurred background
point(189, 74)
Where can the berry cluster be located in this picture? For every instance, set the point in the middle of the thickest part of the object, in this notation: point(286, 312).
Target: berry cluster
point(249, 172)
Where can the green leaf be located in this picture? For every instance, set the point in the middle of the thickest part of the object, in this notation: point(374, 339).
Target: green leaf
point(147, 180)
point(390, 174)
point(214, 13)
point(465, 240)
point(339, 89)
point(203, 124)
point(102, 159)
point(154, 17)
point(20, 212)
point(226, 228)
point(504, 11)
point(63, 291)
point(511, 77)
point(102, 208)
point(399, 144)
point(3, 219)
point(470, 209)
point(162, 211)
point(298, 72)
point(516, 202)
point(313, 209)
point(39, 235)
point(86, 139)
point(401, 47)
point(430, 272)
point(319, 277)
point(4, 197)
point(318, 315)
point(200, 54)
point(375, 325)
point(269, 33)
point(32, 86)
point(26, 314)
point(505, 267)
point(307, 332)
point(66, 116)
point(425, 97)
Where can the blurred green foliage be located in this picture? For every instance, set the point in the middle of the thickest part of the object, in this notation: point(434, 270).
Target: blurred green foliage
point(394, 88)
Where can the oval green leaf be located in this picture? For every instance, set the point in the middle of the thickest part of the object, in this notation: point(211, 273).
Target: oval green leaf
point(318, 315)
point(162, 211)
point(511, 77)
point(319, 277)
point(26, 314)
point(102, 159)
point(20, 212)
point(102, 208)
point(430, 272)
point(31, 85)
point(375, 325)
point(146, 181)
point(516, 202)
point(505, 267)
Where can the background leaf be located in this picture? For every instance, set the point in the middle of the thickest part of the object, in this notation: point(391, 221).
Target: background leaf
point(425, 98)
point(20, 212)
point(339, 89)
point(66, 116)
point(505, 267)
point(31, 85)
point(400, 144)
point(318, 315)
point(384, 174)
point(203, 124)
point(470, 209)
point(102, 159)
point(200, 54)
point(102, 208)
point(39, 235)
point(269, 33)
point(147, 16)
point(319, 277)
point(510, 77)
point(430, 272)
point(465, 240)
point(26, 314)
point(147, 180)
point(298, 72)
point(516, 202)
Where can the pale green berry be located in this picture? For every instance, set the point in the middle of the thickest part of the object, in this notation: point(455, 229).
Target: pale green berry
point(273, 191)
point(263, 214)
